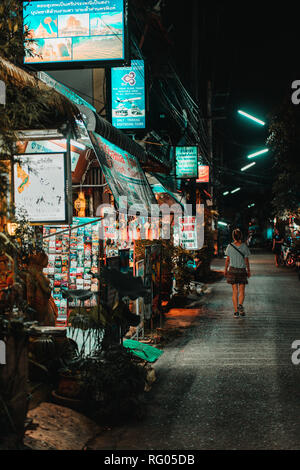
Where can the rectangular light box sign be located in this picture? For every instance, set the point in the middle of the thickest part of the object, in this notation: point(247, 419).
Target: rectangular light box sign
point(186, 162)
point(128, 96)
point(203, 174)
point(40, 187)
point(74, 32)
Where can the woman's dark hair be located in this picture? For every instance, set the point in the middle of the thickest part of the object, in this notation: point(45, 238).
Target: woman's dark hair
point(237, 235)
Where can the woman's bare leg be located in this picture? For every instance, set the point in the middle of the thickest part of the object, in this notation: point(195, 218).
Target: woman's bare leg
point(235, 293)
point(241, 293)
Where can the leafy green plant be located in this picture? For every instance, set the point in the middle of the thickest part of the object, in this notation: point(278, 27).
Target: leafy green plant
point(113, 385)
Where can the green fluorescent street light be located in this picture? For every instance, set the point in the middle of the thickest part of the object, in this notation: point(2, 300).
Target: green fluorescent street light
point(222, 223)
point(235, 190)
point(260, 152)
point(226, 192)
point(248, 166)
point(251, 205)
point(258, 121)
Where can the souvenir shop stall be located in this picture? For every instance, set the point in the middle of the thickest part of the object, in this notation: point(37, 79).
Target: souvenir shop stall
point(73, 256)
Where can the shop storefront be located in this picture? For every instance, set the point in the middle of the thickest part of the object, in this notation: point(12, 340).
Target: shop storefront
point(78, 235)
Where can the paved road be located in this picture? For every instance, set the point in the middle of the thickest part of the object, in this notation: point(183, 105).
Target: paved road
point(228, 383)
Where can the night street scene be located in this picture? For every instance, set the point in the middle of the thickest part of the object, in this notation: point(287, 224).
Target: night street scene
point(149, 229)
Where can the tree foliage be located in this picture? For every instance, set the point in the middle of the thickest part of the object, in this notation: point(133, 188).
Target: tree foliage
point(284, 141)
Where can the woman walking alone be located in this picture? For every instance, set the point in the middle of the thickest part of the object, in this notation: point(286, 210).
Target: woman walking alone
point(237, 270)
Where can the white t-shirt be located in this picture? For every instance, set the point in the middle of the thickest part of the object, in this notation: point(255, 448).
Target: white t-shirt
point(236, 259)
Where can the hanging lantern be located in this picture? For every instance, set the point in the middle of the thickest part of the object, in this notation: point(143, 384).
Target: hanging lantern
point(11, 228)
point(80, 204)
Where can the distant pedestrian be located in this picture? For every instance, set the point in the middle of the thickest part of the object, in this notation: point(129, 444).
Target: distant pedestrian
point(237, 270)
point(277, 244)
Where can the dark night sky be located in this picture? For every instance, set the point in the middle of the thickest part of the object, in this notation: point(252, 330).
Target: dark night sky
point(250, 50)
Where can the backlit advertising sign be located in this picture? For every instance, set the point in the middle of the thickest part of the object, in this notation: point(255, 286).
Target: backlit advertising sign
point(203, 174)
point(128, 96)
point(63, 34)
point(186, 161)
point(41, 186)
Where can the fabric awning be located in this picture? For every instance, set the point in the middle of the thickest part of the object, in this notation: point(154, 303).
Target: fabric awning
point(101, 126)
point(158, 188)
point(123, 173)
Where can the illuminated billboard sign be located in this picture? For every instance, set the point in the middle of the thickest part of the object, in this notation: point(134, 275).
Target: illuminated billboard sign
point(203, 174)
point(41, 187)
point(186, 162)
point(128, 96)
point(66, 33)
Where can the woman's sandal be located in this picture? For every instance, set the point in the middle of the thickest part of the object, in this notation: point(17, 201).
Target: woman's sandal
point(241, 311)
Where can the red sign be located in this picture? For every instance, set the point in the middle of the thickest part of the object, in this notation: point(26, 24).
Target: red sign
point(203, 174)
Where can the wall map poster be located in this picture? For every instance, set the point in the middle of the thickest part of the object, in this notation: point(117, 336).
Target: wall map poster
point(40, 186)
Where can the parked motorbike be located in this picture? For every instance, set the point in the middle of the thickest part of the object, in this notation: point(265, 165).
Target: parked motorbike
point(298, 264)
point(289, 255)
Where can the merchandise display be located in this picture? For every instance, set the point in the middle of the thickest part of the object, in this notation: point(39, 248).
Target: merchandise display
point(73, 257)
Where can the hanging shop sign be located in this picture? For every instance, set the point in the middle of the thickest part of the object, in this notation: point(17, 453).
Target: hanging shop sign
point(188, 232)
point(41, 187)
point(186, 162)
point(128, 96)
point(64, 34)
point(123, 173)
point(203, 174)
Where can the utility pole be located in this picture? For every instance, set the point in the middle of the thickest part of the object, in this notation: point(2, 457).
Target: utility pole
point(195, 49)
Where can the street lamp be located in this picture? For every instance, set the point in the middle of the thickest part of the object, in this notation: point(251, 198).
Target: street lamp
point(251, 205)
point(248, 166)
point(235, 190)
point(225, 193)
point(260, 152)
point(222, 223)
point(258, 121)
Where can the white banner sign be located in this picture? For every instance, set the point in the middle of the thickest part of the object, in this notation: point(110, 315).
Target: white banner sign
point(188, 232)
